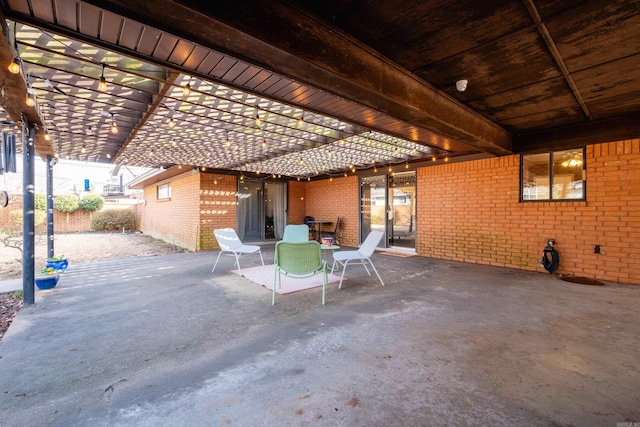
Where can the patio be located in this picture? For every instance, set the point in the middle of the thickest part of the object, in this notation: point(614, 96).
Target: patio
point(162, 341)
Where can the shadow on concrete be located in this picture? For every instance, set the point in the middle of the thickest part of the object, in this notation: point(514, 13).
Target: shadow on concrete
point(161, 341)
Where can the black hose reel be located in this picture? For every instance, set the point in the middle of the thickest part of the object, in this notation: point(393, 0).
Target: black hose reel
point(550, 258)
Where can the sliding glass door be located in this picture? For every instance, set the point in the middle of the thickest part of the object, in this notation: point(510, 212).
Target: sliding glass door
point(262, 210)
point(388, 203)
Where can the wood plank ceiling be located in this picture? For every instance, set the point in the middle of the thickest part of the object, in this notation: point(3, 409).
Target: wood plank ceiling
point(305, 89)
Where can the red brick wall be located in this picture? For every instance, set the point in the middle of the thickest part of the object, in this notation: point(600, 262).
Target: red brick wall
point(174, 220)
point(217, 207)
point(470, 212)
point(296, 202)
point(330, 199)
point(78, 221)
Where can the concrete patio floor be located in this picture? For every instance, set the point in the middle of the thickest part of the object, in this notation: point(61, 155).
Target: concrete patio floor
point(161, 341)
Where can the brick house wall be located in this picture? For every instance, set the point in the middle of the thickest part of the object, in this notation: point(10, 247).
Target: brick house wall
point(470, 212)
point(296, 202)
point(173, 220)
point(339, 197)
point(217, 207)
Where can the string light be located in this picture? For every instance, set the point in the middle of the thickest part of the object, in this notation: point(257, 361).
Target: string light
point(301, 119)
point(30, 101)
point(186, 90)
point(258, 121)
point(14, 66)
point(114, 126)
point(264, 143)
point(102, 84)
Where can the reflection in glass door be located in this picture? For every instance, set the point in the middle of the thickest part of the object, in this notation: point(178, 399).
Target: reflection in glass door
point(261, 210)
point(402, 212)
point(388, 203)
point(373, 202)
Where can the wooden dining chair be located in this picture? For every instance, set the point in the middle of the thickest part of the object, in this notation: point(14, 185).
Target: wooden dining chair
point(333, 233)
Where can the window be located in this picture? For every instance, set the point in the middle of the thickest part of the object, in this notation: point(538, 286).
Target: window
point(164, 191)
point(558, 175)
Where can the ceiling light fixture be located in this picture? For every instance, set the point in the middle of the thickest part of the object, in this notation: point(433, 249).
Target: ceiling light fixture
point(14, 66)
point(102, 83)
point(461, 85)
point(258, 121)
point(114, 126)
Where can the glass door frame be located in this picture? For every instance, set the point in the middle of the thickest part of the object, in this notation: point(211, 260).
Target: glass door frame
point(259, 209)
point(376, 208)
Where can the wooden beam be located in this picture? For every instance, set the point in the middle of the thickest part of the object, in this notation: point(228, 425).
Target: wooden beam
point(277, 36)
point(567, 137)
point(14, 91)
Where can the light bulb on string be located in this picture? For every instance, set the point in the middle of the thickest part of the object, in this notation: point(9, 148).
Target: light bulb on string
point(186, 90)
point(114, 126)
point(30, 100)
point(14, 66)
point(102, 83)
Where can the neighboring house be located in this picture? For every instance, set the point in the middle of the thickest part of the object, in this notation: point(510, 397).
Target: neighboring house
point(499, 211)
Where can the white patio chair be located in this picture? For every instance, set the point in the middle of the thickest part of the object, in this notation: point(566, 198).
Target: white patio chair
point(363, 255)
point(229, 241)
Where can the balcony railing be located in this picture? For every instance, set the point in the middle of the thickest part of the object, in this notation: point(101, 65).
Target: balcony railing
point(113, 190)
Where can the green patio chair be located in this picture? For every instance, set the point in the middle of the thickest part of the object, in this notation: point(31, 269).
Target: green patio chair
point(296, 233)
point(298, 261)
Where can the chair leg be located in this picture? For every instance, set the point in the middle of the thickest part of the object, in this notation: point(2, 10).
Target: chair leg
point(273, 291)
point(324, 283)
point(344, 270)
point(214, 265)
point(238, 264)
point(364, 264)
point(376, 271)
point(261, 259)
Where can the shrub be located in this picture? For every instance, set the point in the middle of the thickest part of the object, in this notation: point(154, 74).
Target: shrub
point(41, 202)
point(39, 217)
point(66, 203)
point(114, 220)
point(92, 202)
